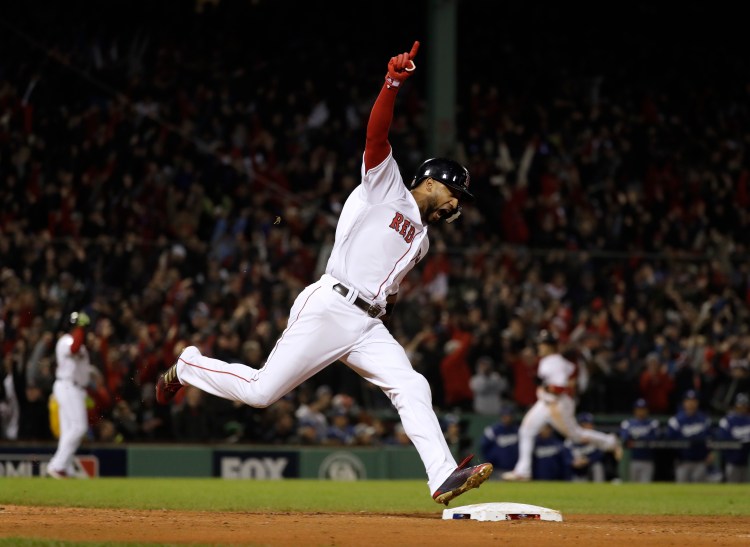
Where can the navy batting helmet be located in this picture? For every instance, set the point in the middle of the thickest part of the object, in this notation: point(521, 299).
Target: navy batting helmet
point(454, 175)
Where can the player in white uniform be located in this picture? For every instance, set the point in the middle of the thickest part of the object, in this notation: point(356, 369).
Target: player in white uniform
point(380, 236)
point(72, 375)
point(555, 405)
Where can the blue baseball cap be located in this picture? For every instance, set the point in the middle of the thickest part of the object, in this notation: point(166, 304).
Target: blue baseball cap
point(586, 418)
point(640, 403)
point(690, 394)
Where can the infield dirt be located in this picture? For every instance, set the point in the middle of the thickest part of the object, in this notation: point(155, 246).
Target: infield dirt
point(361, 529)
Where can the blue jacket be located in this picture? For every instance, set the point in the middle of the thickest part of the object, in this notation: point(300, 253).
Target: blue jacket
point(551, 461)
point(696, 429)
point(500, 445)
point(735, 427)
point(578, 450)
point(634, 429)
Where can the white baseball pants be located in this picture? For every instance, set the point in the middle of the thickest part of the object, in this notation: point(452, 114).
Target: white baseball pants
point(559, 412)
point(74, 423)
point(324, 327)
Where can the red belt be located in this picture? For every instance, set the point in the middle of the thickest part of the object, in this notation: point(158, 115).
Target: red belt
point(558, 390)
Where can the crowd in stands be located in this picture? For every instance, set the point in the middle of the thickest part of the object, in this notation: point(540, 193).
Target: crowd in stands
point(183, 191)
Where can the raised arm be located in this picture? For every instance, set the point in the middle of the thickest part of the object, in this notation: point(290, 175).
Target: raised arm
point(377, 146)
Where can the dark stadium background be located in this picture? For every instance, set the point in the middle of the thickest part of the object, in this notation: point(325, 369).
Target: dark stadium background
point(682, 68)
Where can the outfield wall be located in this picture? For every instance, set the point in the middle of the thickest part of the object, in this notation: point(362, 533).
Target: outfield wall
point(225, 461)
point(271, 462)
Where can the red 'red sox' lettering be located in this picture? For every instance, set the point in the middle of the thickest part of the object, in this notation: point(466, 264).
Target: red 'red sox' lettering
point(403, 227)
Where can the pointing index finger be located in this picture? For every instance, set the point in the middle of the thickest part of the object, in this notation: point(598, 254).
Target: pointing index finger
point(414, 48)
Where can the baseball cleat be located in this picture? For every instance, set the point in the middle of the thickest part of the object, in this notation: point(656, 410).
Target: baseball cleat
point(462, 479)
point(168, 385)
point(53, 473)
point(512, 476)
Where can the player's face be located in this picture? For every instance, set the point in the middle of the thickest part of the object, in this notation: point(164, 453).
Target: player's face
point(441, 203)
point(690, 406)
point(545, 349)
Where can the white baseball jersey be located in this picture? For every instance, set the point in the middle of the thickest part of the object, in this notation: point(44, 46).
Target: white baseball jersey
point(556, 410)
point(72, 366)
point(379, 236)
point(555, 370)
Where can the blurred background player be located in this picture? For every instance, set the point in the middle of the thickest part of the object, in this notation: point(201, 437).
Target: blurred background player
point(555, 405)
point(690, 424)
point(551, 462)
point(640, 427)
point(735, 426)
point(586, 460)
point(500, 442)
point(72, 376)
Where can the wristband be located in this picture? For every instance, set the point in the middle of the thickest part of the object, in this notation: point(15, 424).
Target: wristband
point(391, 82)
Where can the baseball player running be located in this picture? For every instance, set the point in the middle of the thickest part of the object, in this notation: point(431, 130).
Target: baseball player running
point(71, 378)
point(555, 405)
point(380, 236)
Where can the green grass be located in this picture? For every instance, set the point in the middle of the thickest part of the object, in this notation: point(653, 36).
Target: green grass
point(373, 496)
point(24, 542)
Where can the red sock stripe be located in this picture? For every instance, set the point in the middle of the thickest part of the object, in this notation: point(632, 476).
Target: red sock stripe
point(289, 327)
point(274, 349)
point(217, 371)
point(467, 459)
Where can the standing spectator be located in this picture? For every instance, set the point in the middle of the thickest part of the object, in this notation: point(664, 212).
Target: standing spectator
point(154, 423)
point(72, 376)
point(500, 442)
point(34, 383)
point(455, 371)
point(454, 429)
point(9, 408)
point(192, 421)
point(656, 384)
point(735, 426)
point(586, 460)
point(488, 387)
point(550, 462)
point(691, 425)
point(640, 427)
point(736, 382)
point(340, 431)
point(621, 385)
point(524, 378)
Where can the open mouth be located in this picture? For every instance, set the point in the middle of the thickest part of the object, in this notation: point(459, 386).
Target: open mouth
point(446, 213)
point(442, 213)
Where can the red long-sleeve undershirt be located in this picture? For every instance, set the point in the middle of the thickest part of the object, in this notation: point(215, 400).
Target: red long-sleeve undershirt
point(377, 146)
point(78, 337)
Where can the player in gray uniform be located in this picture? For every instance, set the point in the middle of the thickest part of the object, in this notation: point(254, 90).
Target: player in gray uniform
point(380, 236)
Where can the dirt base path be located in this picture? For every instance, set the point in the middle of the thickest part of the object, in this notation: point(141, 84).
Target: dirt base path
point(296, 529)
